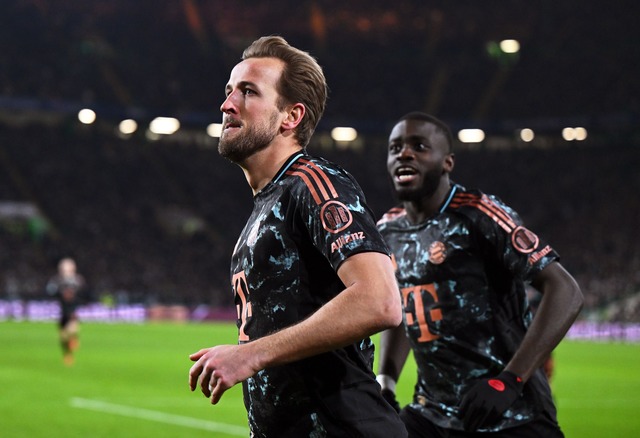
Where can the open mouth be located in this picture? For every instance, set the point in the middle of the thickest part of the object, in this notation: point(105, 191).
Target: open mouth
point(405, 174)
point(232, 123)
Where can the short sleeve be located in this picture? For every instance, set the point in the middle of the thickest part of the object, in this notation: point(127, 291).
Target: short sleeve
point(333, 208)
point(519, 249)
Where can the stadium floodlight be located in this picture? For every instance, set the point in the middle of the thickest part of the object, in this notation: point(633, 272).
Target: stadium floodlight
point(344, 134)
point(471, 135)
point(577, 134)
point(86, 116)
point(569, 134)
point(581, 133)
point(214, 130)
point(164, 125)
point(527, 135)
point(510, 46)
point(128, 126)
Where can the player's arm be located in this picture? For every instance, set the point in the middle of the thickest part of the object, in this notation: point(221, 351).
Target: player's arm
point(561, 296)
point(394, 350)
point(560, 305)
point(369, 303)
point(562, 300)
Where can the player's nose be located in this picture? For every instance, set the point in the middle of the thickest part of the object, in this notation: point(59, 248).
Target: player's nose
point(229, 105)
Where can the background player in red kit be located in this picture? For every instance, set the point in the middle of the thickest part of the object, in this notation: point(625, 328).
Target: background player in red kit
point(312, 276)
point(463, 262)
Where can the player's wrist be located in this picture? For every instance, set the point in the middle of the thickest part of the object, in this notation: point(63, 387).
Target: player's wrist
point(386, 382)
point(512, 380)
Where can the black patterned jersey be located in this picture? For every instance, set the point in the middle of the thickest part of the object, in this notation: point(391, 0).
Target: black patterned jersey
point(309, 219)
point(463, 276)
point(67, 291)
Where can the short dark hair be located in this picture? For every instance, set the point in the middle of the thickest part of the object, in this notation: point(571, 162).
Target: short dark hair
point(424, 117)
point(302, 80)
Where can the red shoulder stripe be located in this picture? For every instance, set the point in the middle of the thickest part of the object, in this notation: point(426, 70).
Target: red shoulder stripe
point(315, 177)
point(309, 184)
point(322, 174)
point(486, 201)
point(488, 207)
point(316, 180)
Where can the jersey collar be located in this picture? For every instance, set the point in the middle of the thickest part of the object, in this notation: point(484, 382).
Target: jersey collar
point(452, 192)
point(292, 159)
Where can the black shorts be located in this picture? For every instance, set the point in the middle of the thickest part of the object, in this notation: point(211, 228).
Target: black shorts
point(420, 427)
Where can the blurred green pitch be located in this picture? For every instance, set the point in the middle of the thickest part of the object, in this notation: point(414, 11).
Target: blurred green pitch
point(131, 380)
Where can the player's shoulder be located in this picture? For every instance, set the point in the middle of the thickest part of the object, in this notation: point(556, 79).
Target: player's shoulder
point(475, 201)
point(319, 177)
point(318, 165)
point(392, 215)
point(480, 206)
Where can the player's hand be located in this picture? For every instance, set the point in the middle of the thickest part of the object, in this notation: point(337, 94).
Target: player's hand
point(218, 369)
point(487, 400)
point(390, 397)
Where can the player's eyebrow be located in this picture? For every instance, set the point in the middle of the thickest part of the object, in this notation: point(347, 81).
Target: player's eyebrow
point(408, 138)
point(241, 84)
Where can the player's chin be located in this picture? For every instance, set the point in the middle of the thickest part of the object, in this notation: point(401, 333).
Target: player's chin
point(405, 192)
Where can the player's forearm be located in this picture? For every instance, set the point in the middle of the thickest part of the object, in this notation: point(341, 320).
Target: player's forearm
point(394, 349)
point(369, 304)
point(561, 303)
point(344, 320)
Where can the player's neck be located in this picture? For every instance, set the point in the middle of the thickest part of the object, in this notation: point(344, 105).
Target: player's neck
point(260, 168)
point(421, 210)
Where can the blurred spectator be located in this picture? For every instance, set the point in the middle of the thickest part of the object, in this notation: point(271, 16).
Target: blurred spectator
point(150, 216)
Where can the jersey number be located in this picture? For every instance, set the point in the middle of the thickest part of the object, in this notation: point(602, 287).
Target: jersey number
point(419, 315)
point(244, 309)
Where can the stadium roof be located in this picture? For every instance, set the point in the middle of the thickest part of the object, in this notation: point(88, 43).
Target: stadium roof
point(578, 61)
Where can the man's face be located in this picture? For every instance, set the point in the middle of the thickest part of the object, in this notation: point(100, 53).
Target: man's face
point(67, 268)
point(251, 117)
point(417, 159)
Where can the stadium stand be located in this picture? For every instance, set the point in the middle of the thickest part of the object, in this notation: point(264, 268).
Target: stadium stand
point(155, 221)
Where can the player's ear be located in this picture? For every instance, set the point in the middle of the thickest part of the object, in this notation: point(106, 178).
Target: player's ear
point(295, 113)
point(449, 162)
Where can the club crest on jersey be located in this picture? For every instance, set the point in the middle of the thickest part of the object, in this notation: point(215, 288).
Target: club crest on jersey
point(335, 216)
point(437, 252)
point(524, 241)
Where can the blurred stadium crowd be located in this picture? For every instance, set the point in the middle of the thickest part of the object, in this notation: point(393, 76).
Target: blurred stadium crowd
point(155, 221)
